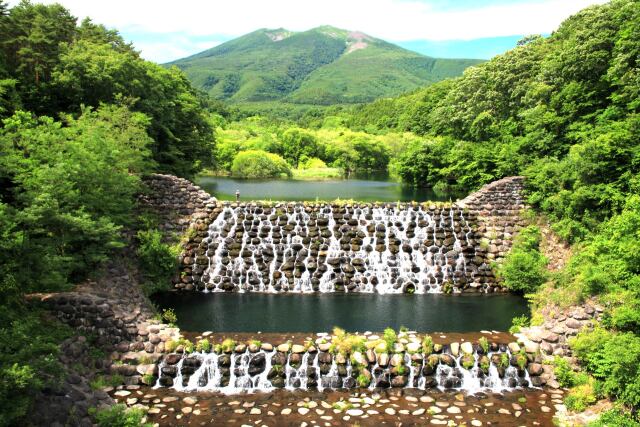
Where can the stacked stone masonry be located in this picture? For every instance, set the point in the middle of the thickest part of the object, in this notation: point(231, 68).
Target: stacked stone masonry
point(247, 246)
point(177, 201)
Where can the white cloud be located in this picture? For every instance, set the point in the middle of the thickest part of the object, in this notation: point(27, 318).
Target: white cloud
point(394, 20)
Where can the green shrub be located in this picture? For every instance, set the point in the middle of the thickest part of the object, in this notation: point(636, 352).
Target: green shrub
point(484, 344)
point(102, 381)
point(616, 418)
point(580, 397)
point(614, 360)
point(565, 374)
point(390, 337)
point(259, 164)
point(169, 316)
point(523, 270)
point(203, 346)
point(158, 260)
point(518, 322)
point(363, 381)
point(312, 163)
point(118, 416)
point(427, 344)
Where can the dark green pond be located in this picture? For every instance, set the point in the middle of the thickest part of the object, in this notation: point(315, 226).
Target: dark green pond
point(251, 312)
point(365, 190)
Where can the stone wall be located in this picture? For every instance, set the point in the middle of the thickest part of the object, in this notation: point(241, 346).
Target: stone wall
point(551, 338)
point(498, 206)
point(177, 201)
point(460, 243)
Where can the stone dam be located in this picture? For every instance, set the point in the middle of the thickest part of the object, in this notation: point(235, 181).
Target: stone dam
point(359, 247)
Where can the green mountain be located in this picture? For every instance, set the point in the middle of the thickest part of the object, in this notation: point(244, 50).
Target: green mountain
point(324, 66)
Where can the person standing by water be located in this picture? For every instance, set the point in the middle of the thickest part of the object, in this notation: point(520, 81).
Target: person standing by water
point(237, 195)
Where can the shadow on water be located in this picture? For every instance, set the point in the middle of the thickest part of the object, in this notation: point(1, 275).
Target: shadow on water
point(355, 312)
point(367, 188)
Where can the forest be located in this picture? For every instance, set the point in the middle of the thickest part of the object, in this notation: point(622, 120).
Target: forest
point(84, 118)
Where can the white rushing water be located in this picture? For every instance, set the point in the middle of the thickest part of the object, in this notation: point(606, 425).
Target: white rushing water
point(250, 372)
point(384, 249)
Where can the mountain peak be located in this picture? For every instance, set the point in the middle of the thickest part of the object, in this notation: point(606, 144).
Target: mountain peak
point(323, 65)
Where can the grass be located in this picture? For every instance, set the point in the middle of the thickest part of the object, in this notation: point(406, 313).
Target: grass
point(317, 173)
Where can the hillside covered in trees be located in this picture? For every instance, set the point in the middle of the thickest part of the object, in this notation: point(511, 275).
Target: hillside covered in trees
point(321, 66)
point(84, 118)
point(564, 112)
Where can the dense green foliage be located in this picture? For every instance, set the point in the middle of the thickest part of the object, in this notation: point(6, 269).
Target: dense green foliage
point(158, 260)
point(524, 268)
point(564, 112)
point(331, 143)
point(83, 118)
point(322, 66)
point(259, 164)
point(51, 65)
point(614, 360)
point(561, 110)
point(29, 343)
point(120, 416)
point(68, 189)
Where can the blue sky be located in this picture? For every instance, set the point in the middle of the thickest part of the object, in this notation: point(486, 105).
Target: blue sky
point(164, 30)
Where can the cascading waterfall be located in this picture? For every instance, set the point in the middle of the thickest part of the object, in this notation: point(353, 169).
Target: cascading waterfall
point(368, 248)
point(258, 371)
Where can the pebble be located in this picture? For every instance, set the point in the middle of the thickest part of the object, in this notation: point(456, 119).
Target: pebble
point(426, 399)
point(435, 410)
point(190, 400)
point(303, 411)
point(123, 393)
point(476, 423)
point(453, 410)
point(390, 411)
point(169, 399)
point(255, 411)
point(285, 411)
point(355, 412)
point(187, 410)
point(418, 412)
point(545, 409)
point(504, 411)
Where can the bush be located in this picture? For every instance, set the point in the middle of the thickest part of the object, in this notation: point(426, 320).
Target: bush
point(524, 268)
point(158, 260)
point(614, 360)
point(119, 416)
point(390, 337)
point(565, 374)
point(259, 164)
point(312, 163)
point(580, 397)
point(517, 323)
point(169, 316)
point(615, 418)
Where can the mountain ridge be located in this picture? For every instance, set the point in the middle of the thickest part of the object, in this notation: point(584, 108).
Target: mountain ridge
point(323, 66)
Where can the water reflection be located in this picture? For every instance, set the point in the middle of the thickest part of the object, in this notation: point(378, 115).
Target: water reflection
point(370, 189)
point(354, 312)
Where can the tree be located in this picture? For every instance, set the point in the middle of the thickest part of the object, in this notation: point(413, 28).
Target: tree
point(297, 142)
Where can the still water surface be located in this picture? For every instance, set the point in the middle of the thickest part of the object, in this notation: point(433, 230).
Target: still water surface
point(251, 312)
point(366, 190)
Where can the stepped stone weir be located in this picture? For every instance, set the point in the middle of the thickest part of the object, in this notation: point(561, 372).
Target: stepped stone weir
point(262, 367)
point(384, 248)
